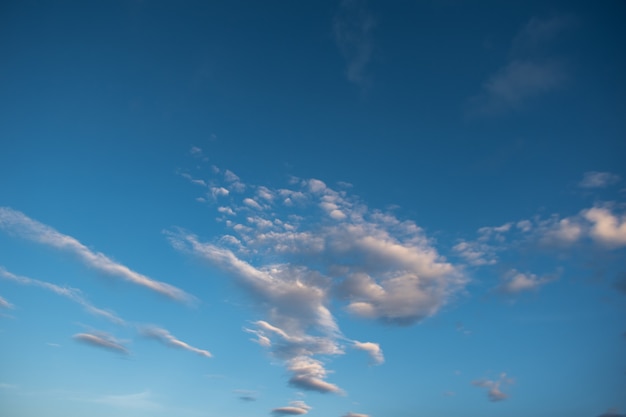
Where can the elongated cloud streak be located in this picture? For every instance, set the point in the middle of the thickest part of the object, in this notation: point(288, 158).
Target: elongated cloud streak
point(163, 336)
point(18, 223)
point(5, 304)
point(72, 294)
point(101, 340)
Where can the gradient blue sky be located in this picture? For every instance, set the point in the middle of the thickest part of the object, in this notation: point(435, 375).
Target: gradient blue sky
point(332, 208)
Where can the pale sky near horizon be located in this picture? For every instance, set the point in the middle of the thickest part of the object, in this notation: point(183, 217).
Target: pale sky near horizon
point(324, 208)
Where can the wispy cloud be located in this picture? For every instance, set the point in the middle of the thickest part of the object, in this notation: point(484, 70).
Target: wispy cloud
point(529, 72)
point(355, 415)
point(3, 302)
point(595, 179)
point(101, 340)
point(493, 387)
point(294, 408)
point(246, 395)
point(140, 401)
point(353, 25)
point(72, 294)
point(18, 223)
point(163, 336)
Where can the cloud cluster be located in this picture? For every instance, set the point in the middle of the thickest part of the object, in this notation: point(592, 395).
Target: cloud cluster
point(493, 387)
point(102, 340)
point(163, 336)
point(18, 223)
point(298, 251)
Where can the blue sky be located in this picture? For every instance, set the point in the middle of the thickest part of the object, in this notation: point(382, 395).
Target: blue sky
point(331, 208)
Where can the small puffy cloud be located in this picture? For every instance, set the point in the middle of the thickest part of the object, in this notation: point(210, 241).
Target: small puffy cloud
point(493, 387)
point(18, 223)
point(606, 228)
point(195, 151)
point(163, 336)
point(294, 408)
point(101, 340)
point(475, 253)
point(218, 192)
point(372, 349)
point(595, 179)
point(516, 282)
point(252, 203)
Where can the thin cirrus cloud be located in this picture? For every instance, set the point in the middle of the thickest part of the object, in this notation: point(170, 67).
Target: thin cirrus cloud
point(596, 179)
point(163, 336)
point(353, 26)
point(3, 302)
point(72, 294)
point(18, 223)
point(355, 415)
point(530, 70)
point(293, 409)
point(331, 247)
point(101, 340)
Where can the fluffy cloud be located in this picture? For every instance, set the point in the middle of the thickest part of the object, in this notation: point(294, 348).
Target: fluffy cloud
point(294, 258)
point(101, 340)
point(72, 294)
point(294, 408)
point(163, 336)
point(595, 179)
point(493, 387)
point(606, 228)
point(16, 222)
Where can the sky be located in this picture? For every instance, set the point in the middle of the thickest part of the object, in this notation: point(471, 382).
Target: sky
point(324, 208)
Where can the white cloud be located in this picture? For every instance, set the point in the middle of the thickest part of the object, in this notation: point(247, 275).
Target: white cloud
point(72, 294)
point(163, 336)
point(494, 393)
point(252, 203)
point(294, 408)
point(595, 179)
point(16, 222)
point(101, 340)
point(372, 349)
point(355, 415)
point(475, 253)
point(353, 26)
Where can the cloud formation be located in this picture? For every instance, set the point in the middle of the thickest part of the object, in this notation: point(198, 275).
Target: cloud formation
point(493, 387)
point(295, 250)
point(18, 223)
point(294, 408)
point(163, 336)
point(355, 415)
point(101, 340)
point(515, 282)
point(72, 294)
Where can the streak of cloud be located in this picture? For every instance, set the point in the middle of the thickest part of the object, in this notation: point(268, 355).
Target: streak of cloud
point(72, 294)
point(3, 302)
point(23, 226)
point(101, 340)
point(163, 336)
point(294, 408)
